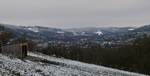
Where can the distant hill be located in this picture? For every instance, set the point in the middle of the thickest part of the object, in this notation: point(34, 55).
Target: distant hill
point(93, 34)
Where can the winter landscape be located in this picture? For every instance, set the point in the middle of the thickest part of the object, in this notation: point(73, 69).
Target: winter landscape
point(37, 63)
point(74, 38)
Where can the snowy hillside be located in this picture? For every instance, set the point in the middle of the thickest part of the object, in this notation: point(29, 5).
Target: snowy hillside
point(42, 65)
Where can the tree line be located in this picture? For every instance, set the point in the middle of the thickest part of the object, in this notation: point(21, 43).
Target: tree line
point(133, 57)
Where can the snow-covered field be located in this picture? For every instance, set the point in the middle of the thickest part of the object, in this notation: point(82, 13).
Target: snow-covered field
point(51, 66)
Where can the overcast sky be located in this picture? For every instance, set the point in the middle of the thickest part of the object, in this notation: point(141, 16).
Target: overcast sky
point(75, 13)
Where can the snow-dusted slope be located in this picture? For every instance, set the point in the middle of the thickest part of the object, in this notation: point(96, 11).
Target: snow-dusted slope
point(52, 66)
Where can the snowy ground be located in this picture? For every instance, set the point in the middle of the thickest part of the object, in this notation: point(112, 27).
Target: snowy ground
point(51, 66)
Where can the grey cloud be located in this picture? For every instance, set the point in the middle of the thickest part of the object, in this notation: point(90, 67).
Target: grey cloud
point(75, 13)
